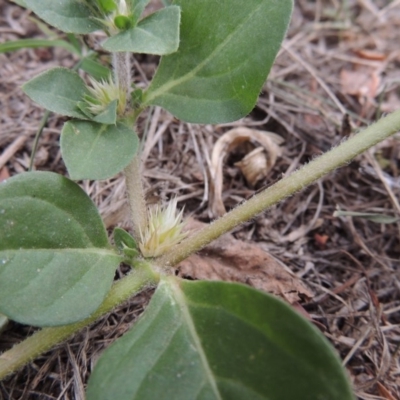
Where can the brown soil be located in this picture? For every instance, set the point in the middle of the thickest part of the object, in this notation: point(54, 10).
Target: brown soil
point(338, 70)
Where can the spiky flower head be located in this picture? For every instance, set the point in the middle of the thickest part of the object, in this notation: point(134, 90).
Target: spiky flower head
point(164, 230)
point(102, 93)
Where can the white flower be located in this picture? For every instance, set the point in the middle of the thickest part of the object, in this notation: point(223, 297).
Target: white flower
point(164, 230)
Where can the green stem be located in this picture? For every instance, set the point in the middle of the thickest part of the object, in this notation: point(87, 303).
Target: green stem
point(286, 187)
point(133, 175)
point(39, 132)
point(141, 277)
point(137, 202)
point(45, 339)
point(122, 71)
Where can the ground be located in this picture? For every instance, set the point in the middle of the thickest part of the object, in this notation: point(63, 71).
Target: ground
point(338, 70)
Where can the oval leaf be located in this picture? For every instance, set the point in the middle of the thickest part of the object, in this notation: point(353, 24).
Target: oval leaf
point(95, 151)
point(156, 34)
point(224, 57)
point(71, 16)
point(217, 340)
point(58, 90)
point(56, 265)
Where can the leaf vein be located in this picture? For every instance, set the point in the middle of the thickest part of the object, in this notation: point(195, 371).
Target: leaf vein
point(175, 82)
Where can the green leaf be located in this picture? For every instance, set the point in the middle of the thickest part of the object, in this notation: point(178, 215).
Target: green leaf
point(109, 115)
point(137, 97)
point(217, 340)
point(76, 43)
point(56, 265)
point(21, 3)
point(374, 217)
point(156, 34)
point(107, 5)
point(71, 16)
point(95, 151)
point(227, 49)
point(58, 90)
point(137, 7)
point(35, 43)
point(95, 69)
point(123, 239)
point(83, 106)
point(125, 242)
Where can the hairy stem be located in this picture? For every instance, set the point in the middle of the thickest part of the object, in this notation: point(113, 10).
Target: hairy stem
point(45, 339)
point(142, 276)
point(122, 71)
point(133, 176)
point(137, 202)
point(287, 186)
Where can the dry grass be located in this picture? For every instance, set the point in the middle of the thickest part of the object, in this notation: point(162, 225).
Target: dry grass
point(338, 69)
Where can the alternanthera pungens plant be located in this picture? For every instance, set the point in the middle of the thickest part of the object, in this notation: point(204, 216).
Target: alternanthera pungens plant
point(208, 340)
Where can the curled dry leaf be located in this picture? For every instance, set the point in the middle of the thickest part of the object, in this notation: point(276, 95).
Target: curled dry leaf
point(255, 165)
point(233, 260)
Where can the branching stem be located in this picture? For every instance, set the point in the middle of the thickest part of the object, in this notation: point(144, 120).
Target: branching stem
point(45, 339)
